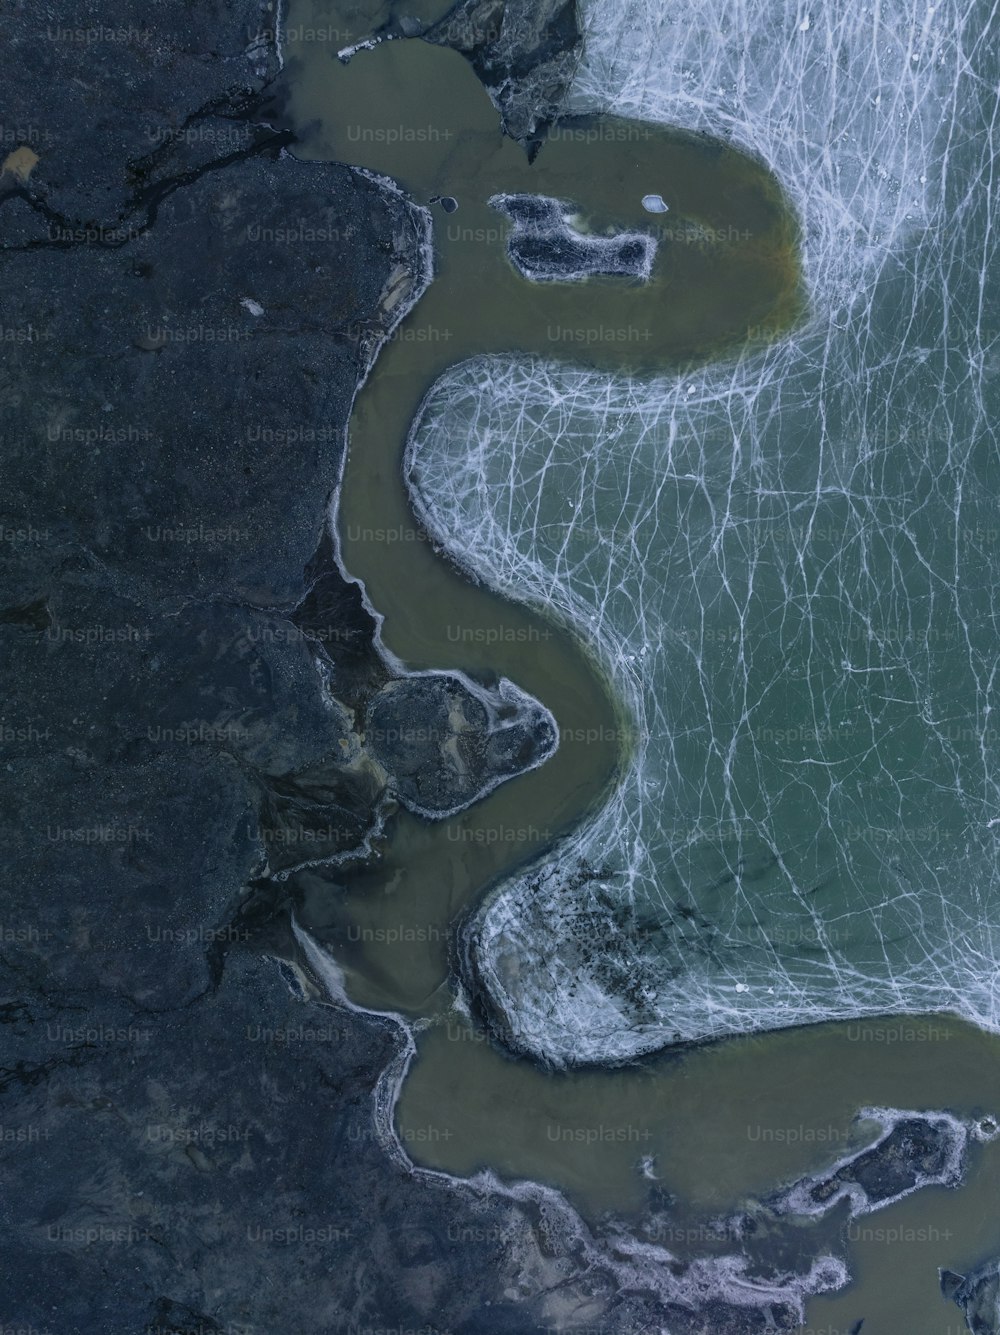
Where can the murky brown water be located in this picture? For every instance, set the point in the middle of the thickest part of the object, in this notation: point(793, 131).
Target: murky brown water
point(733, 1119)
point(703, 296)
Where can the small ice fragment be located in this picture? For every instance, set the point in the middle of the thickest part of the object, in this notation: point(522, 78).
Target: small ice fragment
point(806, 24)
point(254, 307)
point(654, 204)
point(742, 987)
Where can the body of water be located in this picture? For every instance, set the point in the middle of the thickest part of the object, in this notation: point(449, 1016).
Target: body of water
point(735, 528)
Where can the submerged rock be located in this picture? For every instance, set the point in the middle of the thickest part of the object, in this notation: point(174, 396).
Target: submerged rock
point(545, 247)
point(978, 1295)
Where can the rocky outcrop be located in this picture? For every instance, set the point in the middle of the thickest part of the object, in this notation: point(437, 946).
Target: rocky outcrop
point(544, 246)
point(445, 742)
point(116, 103)
point(525, 53)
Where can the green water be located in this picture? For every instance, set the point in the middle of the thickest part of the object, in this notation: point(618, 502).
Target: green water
point(729, 1120)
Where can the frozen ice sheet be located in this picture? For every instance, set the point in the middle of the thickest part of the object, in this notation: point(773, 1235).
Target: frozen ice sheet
point(788, 561)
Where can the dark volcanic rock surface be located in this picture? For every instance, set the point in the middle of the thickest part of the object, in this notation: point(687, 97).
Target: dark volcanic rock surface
point(446, 743)
point(191, 443)
point(145, 90)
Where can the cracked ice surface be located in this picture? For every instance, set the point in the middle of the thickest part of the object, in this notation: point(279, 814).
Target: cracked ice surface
point(788, 562)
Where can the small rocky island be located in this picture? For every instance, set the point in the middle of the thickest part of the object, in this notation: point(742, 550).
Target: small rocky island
point(544, 245)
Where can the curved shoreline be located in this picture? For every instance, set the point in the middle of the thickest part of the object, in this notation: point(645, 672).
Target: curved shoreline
point(391, 1083)
point(649, 1269)
point(591, 756)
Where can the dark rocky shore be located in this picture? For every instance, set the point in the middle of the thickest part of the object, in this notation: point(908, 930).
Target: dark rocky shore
point(187, 1136)
point(914, 1150)
point(524, 52)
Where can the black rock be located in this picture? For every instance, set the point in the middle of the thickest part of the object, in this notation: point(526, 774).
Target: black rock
point(446, 742)
point(914, 1150)
point(145, 92)
point(524, 51)
point(544, 247)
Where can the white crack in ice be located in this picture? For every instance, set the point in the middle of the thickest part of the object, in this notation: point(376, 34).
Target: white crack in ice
point(788, 562)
